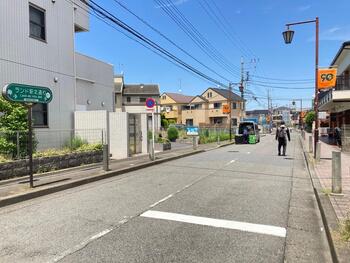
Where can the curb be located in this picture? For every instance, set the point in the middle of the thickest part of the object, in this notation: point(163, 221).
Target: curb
point(329, 218)
point(50, 190)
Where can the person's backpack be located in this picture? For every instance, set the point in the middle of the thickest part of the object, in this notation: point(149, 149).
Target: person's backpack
point(282, 134)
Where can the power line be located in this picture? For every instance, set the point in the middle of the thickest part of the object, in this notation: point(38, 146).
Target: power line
point(101, 12)
point(169, 40)
point(281, 87)
point(283, 83)
point(276, 79)
point(221, 18)
point(211, 14)
point(188, 28)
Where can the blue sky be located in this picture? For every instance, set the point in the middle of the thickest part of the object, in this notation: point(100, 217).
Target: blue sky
point(255, 28)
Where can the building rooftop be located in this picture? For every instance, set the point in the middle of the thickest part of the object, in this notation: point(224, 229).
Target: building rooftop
point(226, 93)
point(257, 112)
point(345, 46)
point(179, 98)
point(141, 89)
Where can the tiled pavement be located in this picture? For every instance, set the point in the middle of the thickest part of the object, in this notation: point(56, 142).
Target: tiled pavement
point(323, 169)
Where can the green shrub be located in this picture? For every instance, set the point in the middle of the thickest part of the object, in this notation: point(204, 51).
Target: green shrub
point(345, 230)
point(90, 147)
point(75, 143)
point(3, 159)
point(173, 134)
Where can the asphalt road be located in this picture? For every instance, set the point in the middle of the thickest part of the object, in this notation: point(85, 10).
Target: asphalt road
point(240, 203)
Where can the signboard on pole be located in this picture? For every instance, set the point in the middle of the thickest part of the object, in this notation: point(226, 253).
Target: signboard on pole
point(27, 94)
point(192, 131)
point(150, 104)
point(326, 78)
point(226, 109)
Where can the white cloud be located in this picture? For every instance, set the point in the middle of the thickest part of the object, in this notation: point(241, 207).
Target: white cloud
point(335, 33)
point(304, 8)
point(333, 30)
point(173, 3)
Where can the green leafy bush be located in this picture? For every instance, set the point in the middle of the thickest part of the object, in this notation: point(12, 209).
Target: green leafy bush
point(76, 142)
point(309, 119)
point(3, 159)
point(345, 230)
point(89, 148)
point(14, 118)
point(173, 134)
point(67, 150)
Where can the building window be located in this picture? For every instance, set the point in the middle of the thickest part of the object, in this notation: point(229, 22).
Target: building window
point(189, 122)
point(217, 105)
point(37, 27)
point(234, 105)
point(209, 94)
point(163, 97)
point(40, 115)
point(234, 122)
point(217, 120)
point(142, 99)
point(128, 99)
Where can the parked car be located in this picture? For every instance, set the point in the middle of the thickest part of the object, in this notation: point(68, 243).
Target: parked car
point(251, 127)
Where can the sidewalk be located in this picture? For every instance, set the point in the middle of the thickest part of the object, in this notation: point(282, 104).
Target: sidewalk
point(323, 170)
point(17, 189)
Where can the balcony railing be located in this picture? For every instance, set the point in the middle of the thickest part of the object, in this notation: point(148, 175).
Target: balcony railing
point(343, 83)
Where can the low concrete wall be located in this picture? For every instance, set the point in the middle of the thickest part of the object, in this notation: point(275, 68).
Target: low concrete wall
point(45, 164)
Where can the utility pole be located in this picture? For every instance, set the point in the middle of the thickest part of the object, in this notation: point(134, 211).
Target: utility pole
point(241, 87)
point(230, 107)
point(269, 102)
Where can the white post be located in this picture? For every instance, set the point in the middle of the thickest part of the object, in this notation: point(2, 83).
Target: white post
point(153, 156)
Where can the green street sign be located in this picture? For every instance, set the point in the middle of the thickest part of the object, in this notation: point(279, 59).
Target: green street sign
point(27, 94)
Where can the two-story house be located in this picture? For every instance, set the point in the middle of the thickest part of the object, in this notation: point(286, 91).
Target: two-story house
point(208, 109)
point(37, 48)
point(336, 101)
point(172, 105)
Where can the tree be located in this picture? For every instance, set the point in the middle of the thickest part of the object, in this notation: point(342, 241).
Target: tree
point(164, 121)
point(13, 118)
point(309, 119)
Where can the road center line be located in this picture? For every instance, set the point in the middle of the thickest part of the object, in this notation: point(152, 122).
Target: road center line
point(230, 162)
point(205, 221)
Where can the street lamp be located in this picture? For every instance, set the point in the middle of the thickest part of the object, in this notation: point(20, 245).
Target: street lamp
point(288, 37)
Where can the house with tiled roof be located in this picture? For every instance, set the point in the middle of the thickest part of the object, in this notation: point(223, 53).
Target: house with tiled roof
point(211, 108)
point(172, 105)
point(206, 110)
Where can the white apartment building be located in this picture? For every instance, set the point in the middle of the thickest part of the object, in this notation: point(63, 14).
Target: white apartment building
point(37, 48)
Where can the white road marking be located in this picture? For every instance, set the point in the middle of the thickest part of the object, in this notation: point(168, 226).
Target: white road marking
point(161, 201)
point(205, 221)
point(87, 241)
point(230, 162)
point(248, 152)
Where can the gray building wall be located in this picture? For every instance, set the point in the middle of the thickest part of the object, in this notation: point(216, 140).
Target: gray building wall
point(30, 61)
point(95, 84)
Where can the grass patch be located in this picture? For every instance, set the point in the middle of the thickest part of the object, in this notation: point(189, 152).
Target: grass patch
point(66, 150)
point(3, 159)
point(326, 191)
point(345, 229)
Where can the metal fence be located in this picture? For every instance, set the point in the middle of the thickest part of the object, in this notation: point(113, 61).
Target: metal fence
point(14, 144)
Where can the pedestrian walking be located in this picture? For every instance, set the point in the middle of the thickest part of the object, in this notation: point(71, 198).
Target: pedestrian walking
point(337, 135)
point(282, 134)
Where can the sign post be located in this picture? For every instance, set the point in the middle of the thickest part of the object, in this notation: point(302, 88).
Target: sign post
point(150, 104)
point(193, 132)
point(327, 78)
point(28, 96)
